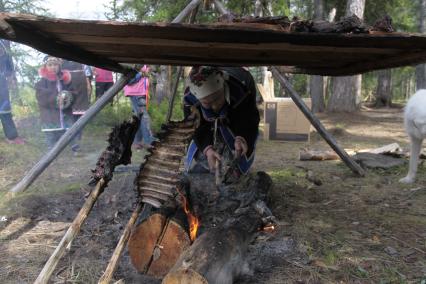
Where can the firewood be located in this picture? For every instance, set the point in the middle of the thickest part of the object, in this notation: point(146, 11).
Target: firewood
point(217, 256)
point(229, 220)
point(387, 149)
point(155, 245)
point(309, 155)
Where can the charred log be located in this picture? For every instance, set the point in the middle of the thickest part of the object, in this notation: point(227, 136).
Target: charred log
point(230, 218)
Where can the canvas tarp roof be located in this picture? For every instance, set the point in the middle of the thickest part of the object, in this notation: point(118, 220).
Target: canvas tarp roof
point(107, 44)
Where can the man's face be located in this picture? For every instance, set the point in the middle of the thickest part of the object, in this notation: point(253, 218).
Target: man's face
point(52, 67)
point(214, 101)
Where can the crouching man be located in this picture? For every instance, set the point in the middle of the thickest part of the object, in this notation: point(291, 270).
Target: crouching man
point(224, 100)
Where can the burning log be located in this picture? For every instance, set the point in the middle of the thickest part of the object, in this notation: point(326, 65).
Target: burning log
point(157, 242)
point(229, 220)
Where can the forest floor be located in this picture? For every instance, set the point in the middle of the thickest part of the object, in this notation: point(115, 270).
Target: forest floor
point(337, 229)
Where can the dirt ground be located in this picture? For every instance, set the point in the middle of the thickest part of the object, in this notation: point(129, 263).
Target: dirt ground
point(333, 226)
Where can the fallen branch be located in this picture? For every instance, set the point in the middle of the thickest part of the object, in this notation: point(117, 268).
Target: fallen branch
point(387, 149)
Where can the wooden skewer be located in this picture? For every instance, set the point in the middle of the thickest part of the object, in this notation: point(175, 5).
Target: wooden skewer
point(71, 233)
point(112, 265)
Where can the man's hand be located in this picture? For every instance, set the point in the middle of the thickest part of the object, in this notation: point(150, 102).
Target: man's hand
point(212, 157)
point(241, 147)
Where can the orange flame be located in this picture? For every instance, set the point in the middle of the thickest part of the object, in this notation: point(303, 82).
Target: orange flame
point(192, 219)
point(269, 228)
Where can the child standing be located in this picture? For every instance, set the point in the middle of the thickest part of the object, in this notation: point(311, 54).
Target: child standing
point(53, 100)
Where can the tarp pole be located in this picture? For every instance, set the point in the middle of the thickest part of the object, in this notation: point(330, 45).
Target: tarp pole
point(186, 11)
point(220, 8)
point(48, 158)
point(317, 123)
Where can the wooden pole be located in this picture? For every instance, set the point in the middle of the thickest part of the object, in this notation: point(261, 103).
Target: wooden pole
point(221, 9)
point(180, 71)
point(112, 265)
point(45, 161)
point(186, 11)
point(71, 233)
point(317, 124)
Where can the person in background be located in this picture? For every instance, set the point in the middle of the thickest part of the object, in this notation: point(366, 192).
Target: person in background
point(103, 81)
point(89, 77)
point(6, 77)
point(54, 99)
point(80, 103)
point(224, 101)
point(138, 92)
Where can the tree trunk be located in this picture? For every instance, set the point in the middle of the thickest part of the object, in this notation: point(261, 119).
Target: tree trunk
point(317, 82)
point(421, 69)
point(346, 95)
point(162, 88)
point(258, 9)
point(383, 93)
point(343, 98)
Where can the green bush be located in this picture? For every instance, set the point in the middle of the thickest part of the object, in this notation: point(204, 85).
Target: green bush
point(24, 103)
point(158, 112)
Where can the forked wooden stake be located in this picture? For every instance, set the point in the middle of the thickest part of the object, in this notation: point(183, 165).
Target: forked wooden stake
point(112, 265)
point(71, 233)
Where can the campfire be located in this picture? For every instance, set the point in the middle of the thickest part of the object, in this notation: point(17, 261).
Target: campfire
point(202, 234)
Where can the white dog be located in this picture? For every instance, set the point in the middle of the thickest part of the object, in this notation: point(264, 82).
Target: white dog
point(415, 126)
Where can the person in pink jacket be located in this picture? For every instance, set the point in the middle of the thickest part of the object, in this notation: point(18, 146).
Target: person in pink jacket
point(103, 81)
point(138, 92)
